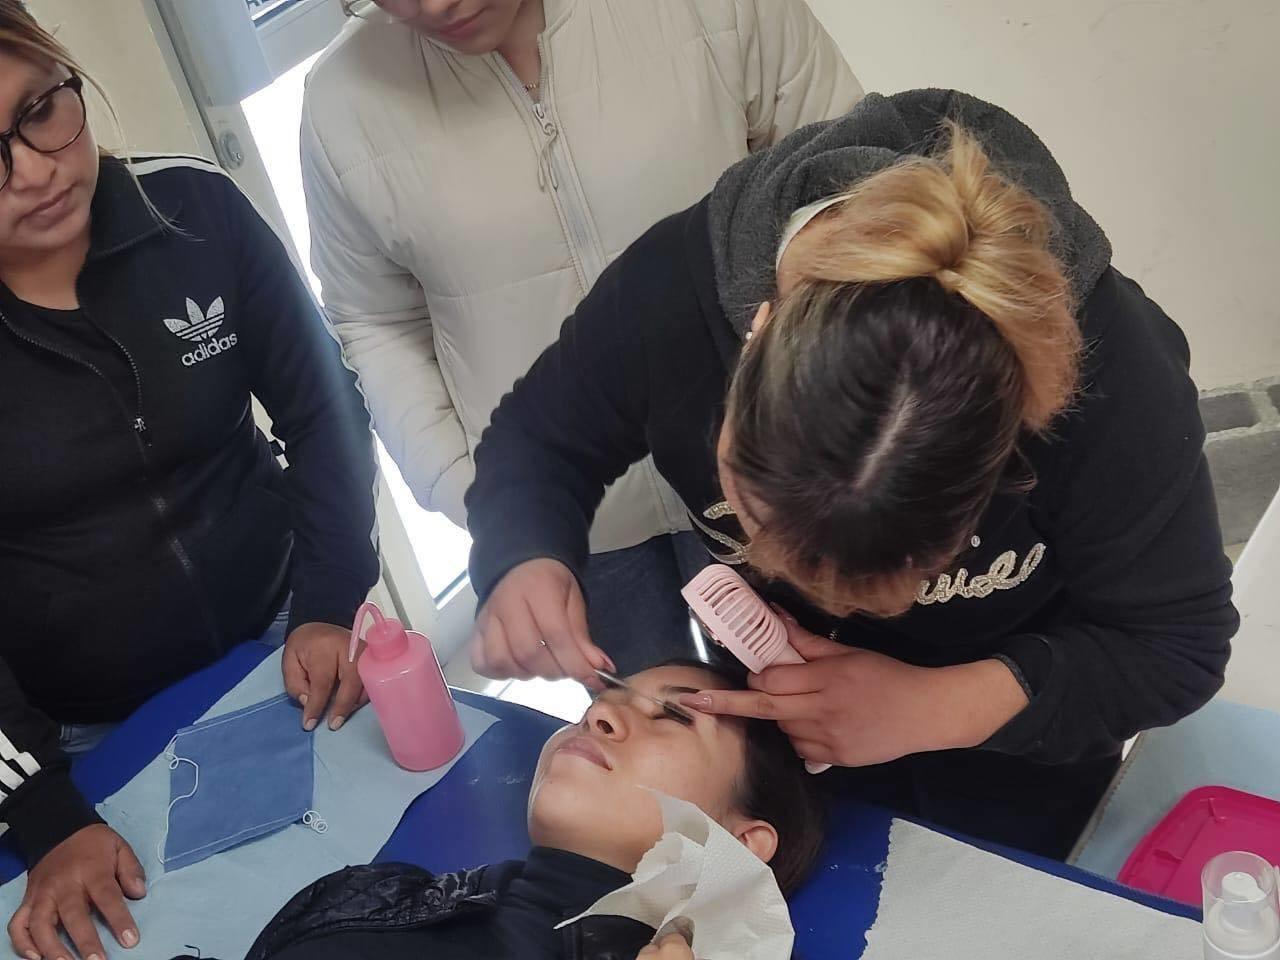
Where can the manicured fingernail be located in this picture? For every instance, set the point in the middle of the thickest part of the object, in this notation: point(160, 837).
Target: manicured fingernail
point(303, 699)
point(310, 725)
point(32, 955)
point(337, 722)
point(610, 665)
point(130, 938)
point(698, 701)
point(94, 956)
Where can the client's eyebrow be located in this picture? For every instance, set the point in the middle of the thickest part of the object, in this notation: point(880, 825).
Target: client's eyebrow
point(674, 689)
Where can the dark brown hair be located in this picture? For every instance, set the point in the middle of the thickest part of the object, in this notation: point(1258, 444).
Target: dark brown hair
point(874, 416)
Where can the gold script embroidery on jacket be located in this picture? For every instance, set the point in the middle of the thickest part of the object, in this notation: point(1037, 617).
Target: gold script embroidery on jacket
point(737, 554)
point(1000, 576)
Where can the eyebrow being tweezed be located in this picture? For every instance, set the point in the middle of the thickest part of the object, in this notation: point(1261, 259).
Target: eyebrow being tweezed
point(672, 710)
point(676, 690)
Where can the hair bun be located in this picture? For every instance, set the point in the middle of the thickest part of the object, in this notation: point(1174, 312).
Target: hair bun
point(949, 278)
point(950, 217)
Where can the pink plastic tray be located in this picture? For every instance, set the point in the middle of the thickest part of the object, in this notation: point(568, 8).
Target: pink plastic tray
point(1206, 822)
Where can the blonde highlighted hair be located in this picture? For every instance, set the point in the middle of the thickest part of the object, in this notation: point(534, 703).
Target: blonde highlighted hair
point(879, 410)
point(953, 219)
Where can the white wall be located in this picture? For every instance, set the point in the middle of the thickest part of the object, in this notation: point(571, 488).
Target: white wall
point(1165, 115)
point(114, 41)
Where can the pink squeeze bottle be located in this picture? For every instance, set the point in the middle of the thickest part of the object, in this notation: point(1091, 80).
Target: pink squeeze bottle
point(407, 689)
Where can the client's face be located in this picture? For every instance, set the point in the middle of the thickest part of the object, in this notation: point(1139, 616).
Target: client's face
point(588, 795)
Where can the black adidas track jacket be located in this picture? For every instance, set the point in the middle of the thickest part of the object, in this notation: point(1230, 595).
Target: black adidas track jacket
point(145, 525)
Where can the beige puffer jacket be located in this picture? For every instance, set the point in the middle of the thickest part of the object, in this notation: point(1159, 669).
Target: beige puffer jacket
point(455, 222)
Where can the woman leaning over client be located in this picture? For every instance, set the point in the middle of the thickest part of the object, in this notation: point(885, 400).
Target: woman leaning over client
point(471, 166)
point(891, 367)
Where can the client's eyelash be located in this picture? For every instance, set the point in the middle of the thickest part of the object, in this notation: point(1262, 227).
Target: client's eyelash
point(669, 710)
point(672, 712)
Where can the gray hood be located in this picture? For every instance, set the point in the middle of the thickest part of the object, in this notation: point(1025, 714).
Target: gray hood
point(752, 202)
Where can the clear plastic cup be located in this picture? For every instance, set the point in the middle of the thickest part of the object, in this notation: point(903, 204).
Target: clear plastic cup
point(1241, 908)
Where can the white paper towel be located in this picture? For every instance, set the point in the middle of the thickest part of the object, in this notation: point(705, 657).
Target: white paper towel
point(700, 872)
point(946, 900)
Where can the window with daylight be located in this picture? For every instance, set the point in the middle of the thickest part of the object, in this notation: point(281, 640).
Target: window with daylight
point(274, 115)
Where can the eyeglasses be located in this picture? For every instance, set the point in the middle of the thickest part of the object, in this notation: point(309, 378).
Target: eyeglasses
point(51, 122)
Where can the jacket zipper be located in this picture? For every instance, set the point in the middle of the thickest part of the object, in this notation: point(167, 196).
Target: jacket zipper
point(142, 434)
point(555, 167)
point(142, 437)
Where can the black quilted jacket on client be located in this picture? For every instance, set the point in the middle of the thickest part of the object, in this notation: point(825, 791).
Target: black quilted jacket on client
point(507, 911)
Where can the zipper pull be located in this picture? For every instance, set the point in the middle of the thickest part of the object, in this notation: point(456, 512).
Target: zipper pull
point(143, 432)
point(546, 169)
point(548, 127)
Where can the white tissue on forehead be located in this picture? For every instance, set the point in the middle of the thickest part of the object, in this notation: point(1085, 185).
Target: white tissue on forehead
point(700, 871)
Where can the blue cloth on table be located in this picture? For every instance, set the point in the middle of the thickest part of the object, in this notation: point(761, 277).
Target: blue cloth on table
point(1223, 744)
point(219, 904)
point(235, 778)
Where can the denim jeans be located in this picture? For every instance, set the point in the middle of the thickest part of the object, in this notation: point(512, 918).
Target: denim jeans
point(634, 609)
point(78, 738)
point(275, 634)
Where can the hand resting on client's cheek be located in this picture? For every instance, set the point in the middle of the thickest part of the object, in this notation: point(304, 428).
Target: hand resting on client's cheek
point(856, 708)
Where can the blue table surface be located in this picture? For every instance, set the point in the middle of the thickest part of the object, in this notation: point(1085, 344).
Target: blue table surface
point(476, 814)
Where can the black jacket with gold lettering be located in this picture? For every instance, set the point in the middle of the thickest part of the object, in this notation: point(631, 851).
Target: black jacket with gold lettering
point(1104, 588)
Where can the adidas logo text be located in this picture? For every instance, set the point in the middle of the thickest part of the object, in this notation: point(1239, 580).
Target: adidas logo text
point(207, 350)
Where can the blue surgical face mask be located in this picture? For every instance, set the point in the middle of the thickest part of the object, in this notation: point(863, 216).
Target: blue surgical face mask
point(235, 778)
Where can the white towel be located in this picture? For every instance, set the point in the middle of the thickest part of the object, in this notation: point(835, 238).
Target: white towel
point(946, 900)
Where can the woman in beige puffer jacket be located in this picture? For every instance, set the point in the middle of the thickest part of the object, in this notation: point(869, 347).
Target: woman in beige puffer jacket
point(471, 166)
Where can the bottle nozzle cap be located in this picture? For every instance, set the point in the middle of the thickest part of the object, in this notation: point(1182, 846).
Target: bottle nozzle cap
point(1241, 887)
point(387, 637)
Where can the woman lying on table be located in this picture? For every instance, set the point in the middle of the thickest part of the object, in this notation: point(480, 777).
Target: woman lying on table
point(591, 821)
point(888, 366)
point(146, 526)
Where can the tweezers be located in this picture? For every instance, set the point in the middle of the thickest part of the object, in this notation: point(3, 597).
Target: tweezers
point(678, 714)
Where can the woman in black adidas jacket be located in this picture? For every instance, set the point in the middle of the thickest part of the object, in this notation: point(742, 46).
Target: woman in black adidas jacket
point(891, 372)
point(146, 526)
